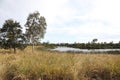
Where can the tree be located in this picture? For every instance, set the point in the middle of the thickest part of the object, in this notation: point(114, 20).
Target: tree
point(35, 28)
point(11, 35)
point(94, 40)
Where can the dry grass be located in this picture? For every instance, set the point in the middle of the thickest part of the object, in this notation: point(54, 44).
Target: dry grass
point(46, 65)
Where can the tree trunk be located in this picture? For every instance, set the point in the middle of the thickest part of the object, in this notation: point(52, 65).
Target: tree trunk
point(14, 47)
point(32, 40)
point(33, 48)
point(14, 50)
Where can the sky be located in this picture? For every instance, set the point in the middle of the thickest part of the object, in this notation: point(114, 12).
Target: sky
point(69, 21)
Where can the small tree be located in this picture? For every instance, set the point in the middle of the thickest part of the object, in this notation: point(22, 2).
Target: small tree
point(11, 35)
point(35, 28)
point(94, 40)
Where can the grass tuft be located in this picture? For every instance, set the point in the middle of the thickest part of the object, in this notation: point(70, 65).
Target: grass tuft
point(47, 65)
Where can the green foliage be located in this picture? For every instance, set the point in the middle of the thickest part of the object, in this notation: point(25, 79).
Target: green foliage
point(92, 45)
point(49, 45)
point(11, 35)
point(36, 27)
point(94, 40)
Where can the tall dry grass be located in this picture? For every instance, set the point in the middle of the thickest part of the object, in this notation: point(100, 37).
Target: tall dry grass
point(47, 65)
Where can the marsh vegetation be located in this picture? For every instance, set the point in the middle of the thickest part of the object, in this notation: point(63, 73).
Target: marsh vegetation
point(52, 65)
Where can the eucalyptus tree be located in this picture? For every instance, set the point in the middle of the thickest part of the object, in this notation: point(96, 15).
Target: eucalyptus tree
point(11, 35)
point(35, 28)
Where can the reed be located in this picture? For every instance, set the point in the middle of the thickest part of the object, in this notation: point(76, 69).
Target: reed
point(47, 65)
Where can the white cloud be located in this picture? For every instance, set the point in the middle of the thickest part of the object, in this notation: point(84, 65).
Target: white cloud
point(107, 10)
point(100, 17)
point(91, 18)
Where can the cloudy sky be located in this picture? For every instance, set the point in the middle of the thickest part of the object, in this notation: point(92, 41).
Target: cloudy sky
point(69, 20)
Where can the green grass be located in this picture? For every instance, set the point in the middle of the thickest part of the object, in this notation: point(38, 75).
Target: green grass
point(47, 65)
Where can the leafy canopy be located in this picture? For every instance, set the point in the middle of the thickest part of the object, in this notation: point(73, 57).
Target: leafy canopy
point(11, 35)
point(35, 27)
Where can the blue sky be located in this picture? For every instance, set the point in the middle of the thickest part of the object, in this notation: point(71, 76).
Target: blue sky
point(69, 20)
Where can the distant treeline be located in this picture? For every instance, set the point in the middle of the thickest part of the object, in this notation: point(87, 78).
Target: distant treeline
point(89, 45)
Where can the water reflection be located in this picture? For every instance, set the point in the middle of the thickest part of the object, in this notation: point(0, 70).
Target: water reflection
point(65, 49)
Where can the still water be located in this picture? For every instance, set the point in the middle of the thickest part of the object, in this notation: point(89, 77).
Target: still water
point(65, 49)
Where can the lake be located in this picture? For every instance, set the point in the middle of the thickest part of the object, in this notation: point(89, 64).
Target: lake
point(66, 49)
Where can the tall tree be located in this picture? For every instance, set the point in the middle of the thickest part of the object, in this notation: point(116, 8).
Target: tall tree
point(11, 35)
point(35, 28)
